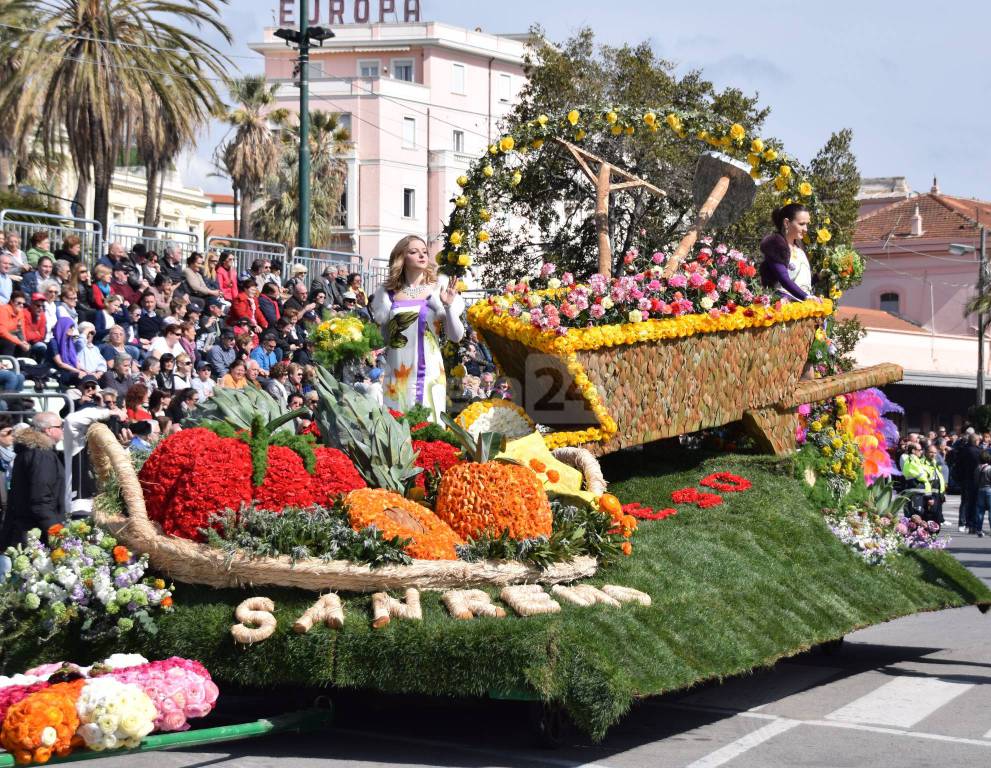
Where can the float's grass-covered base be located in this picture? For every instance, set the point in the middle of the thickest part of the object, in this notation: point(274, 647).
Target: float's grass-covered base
point(734, 587)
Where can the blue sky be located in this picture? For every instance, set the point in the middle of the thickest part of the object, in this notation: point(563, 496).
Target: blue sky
point(911, 79)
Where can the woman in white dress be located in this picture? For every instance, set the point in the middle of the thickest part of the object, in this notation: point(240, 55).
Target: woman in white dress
point(413, 307)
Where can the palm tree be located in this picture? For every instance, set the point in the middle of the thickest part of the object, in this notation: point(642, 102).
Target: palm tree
point(92, 64)
point(253, 152)
point(278, 219)
point(164, 128)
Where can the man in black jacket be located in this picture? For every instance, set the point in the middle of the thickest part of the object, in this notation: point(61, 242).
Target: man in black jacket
point(37, 481)
point(968, 456)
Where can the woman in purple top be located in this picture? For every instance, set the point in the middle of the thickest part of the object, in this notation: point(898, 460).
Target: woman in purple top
point(786, 267)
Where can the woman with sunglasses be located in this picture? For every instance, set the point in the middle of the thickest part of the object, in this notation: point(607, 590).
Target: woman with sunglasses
point(79, 281)
point(165, 379)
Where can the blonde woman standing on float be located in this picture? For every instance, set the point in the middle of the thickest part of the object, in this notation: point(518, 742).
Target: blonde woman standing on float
point(414, 307)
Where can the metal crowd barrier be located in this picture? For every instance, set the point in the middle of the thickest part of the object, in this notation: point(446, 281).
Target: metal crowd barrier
point(316, 260)
point(58, 227)
point(246, 251)
point(154, 238)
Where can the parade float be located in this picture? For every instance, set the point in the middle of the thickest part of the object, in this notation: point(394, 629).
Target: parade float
point(486, 557)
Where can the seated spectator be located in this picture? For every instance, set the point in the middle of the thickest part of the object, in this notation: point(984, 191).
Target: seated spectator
point(120, 284)
point(167, 342)
point(187, 338)
point(165, 379)
point(101, 285)
point(32, 280)
point(299, 301)
point(12, 316)
point(171, 262)
point(158, 402)
point(89, 357)
point(351, 305)
point(245, 307)
point(297, 276)
point(183, 372)
point(36, 327)
point(61, 272)
point(193, 275)
point(112, 314)
point(148, 371)
point(203, 383)
point(150, 322)
point(89, 397)
point(40, 244)
point(114, 255)
point(355, 285)
point(304, 355)
point(177, 311)
point(253, 374)
point(268, 303)
point(62, 353)
point(79, 281)
point(71, 250)
point(227, 276)
point(6, 281)
point(115, 345)
point(67, 307)
point(486, 385)
point(12, 247)
point(267, 353)
point(141, 437)
point(235, 378)
point(321, 310)
point(50, 291)
point(222, 355)
point(278, 383)
point(119, 378)
point(164, 291)
point(182, 406)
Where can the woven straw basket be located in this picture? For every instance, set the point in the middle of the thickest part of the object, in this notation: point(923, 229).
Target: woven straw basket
point(194, 563)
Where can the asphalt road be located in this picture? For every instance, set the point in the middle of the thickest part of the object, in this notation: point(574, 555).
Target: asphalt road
point(913, 692)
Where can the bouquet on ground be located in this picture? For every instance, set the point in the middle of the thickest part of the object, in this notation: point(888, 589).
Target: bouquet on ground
point(83, 574)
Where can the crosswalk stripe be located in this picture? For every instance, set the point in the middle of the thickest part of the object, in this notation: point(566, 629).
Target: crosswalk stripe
point(902, 703)
point(744, 744)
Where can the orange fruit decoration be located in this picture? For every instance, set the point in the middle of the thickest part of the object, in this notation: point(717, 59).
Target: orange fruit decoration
point(480, 496)
point(610, 505)
point(395, 515)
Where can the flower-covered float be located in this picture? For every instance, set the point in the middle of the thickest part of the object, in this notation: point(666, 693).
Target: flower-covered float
point(241, 500)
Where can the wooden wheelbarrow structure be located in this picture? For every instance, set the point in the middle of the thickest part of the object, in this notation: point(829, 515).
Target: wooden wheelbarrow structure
point(663, 387)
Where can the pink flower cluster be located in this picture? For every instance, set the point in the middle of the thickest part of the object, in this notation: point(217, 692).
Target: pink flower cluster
point(713, 280)
point(179, 688)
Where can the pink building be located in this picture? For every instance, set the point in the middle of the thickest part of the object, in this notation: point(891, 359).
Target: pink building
point(918, 289)
point(422, 101)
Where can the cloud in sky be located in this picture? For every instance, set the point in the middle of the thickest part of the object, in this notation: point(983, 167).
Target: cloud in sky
point(909, 80)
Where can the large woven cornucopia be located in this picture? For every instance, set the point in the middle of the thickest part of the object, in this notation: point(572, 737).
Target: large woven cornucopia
point(195, 563)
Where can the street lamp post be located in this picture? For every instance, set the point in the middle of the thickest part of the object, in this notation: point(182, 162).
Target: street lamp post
point(302, 38)
point(981, 252)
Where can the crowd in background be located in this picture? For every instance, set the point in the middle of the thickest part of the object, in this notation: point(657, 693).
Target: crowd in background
point(940, 462)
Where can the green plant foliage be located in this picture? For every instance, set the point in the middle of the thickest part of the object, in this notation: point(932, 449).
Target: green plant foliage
point(258, 443)
point(578, 530)
point(303, 533)
point(238, 407)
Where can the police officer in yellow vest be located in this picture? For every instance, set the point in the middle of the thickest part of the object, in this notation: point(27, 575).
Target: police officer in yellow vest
point(919, 477)
point(937, 481)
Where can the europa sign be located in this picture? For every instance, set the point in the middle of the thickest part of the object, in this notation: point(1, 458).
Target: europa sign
point(332, 11)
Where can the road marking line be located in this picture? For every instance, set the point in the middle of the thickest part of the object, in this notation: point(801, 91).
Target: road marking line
point(744, 744)
point(903, 702)
point(987, 735)
point(896, 732)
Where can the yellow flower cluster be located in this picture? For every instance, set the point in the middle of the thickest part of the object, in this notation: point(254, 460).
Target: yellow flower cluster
point(338, 330)
point(492, 316)
point(476, 410)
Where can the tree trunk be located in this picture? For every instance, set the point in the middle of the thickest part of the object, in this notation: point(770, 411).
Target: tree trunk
point(79, 199)
point(247, 201)
point(152, 193)
point(237, 208)
point(6, 168)
point(103, 173)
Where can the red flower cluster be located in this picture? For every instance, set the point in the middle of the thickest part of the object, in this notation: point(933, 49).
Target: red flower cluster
point(434, 453)
point(694, 496)
point(335, 475)
point(194, 474)
point(286, 482)
point(635, 509)
point(726, 482)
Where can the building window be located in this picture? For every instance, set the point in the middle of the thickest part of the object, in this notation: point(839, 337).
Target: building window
point(505, 88)
point(409, 203)
point(458, 141)
point(402, 69)
point(458, 78)
point(889, 303)
point(409, 133)
point(369, 68)
point(344, 120)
